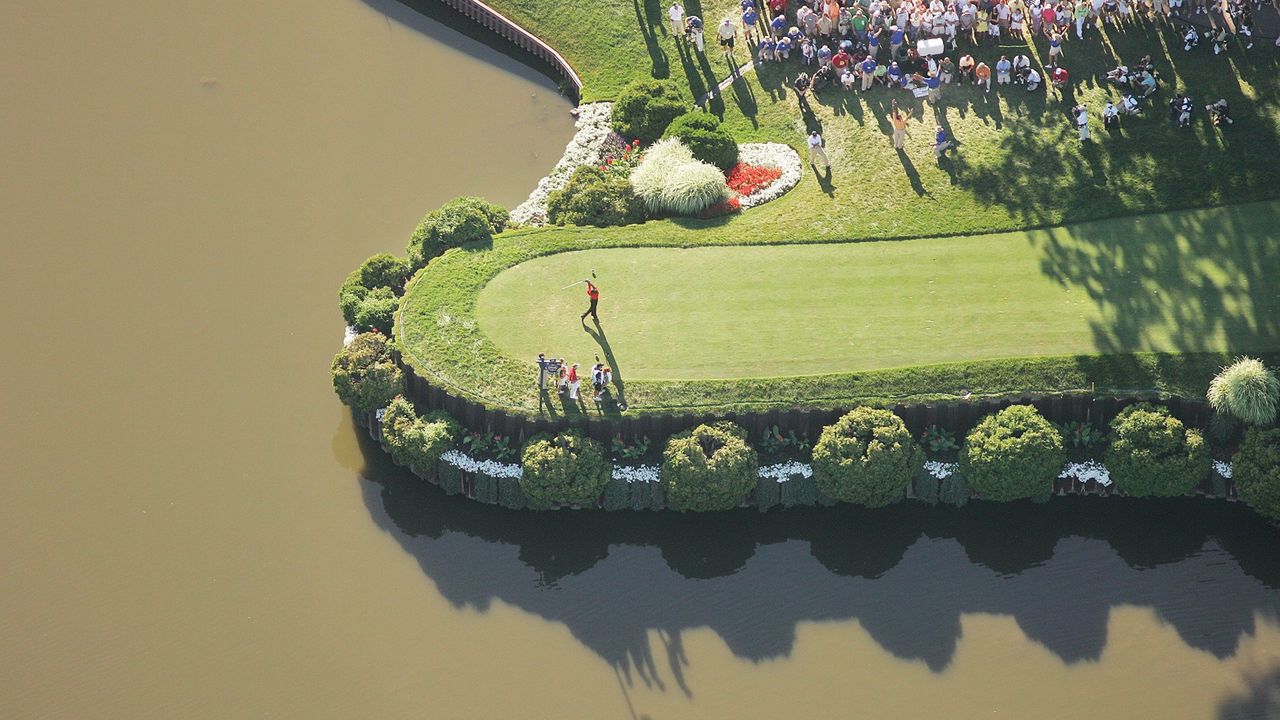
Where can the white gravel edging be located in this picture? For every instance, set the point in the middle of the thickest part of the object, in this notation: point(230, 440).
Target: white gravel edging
point(584, 149)
point(1086, 471)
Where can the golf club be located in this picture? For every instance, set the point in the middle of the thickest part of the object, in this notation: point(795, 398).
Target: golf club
point(566, 287)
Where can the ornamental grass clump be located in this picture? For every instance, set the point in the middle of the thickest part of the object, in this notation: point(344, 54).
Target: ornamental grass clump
point(566, 469)
point(671, 182)
point(1256, 471)
point(1153, 454)
point(710, 467)
point(1012, 454)
point(866, 457)
point(415, 441)
point(364, 375)
point(1248, 390)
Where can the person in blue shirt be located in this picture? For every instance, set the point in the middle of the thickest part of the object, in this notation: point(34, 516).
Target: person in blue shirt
point(748, 5)
point(1004, 70)
point(896, 36)
point(795, 36)
point(934, 83)
point(824, 55)
point(779, 26)
point(868, 68)
point(783, 51)
point(873, 42)
point(895, 74)
point(749, 18)
point(940, 143)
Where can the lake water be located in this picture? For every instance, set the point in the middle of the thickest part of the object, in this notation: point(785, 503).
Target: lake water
point(193, 528)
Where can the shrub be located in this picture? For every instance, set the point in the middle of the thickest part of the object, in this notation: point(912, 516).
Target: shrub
point(350, 295)
point(1248, 390)
point(645, 108)
point(710, 467)
point(377, 311)
point(415, 441)
point(457, 222)
point(565, 468)
point(1153, 453)
point(595, 197)
point(702, 134)
point(866, 457)
point(384, 270)
point(669, 181)
point(364, 375)
point(1012, 454)
point(1256, 471)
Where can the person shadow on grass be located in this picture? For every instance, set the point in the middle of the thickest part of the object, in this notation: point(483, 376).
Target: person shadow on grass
point(608, 406)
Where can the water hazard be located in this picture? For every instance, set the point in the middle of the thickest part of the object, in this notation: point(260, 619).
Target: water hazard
point(193, 528)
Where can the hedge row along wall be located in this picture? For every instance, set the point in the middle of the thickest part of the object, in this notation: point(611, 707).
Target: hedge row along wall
point(768, 493)
point(958, 417)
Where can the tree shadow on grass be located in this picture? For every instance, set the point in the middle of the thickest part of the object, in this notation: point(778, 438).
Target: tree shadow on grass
point(906, 573)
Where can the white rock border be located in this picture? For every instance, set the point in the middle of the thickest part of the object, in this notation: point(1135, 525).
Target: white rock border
point(1086, 471)
point(636, 473)
point(584, 149)
point(783, 472)
point(774, 155)
point(493, 468)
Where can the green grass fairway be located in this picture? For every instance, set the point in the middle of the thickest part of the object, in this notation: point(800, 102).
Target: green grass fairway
point(1186, 282)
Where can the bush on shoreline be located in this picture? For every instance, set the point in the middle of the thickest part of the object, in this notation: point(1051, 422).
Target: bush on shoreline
point(566, 468)
point(415, 441)
point(460, 221)
point(1154, 454)
point(595, 197)
point(1256, 471)
point(710, 467)
point(866, 457)
point(364, 376)
point(1013, 454)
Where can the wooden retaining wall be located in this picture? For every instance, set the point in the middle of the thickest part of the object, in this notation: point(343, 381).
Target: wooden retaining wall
point(958, 416)
point(508, 30)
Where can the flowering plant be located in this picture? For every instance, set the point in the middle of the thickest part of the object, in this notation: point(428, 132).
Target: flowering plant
point(785, 471)
point(770, 155)
point(492, 468)
point(939, 440)
point(941, 470)
point(636, 473)
point(1086, 471)
point(747, 179)
point(728, 206)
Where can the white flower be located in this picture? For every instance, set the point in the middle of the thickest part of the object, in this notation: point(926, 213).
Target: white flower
point(1086, 471)
point(771, 155)
point(941, 470)
point(785, 471)
point(585, 148)
point(492, 468)
point(636, 473)
point(1223, 468)
point(349, 335)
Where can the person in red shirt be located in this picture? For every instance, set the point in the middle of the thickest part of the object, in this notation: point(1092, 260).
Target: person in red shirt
point(593, 294)
point(1059, 76)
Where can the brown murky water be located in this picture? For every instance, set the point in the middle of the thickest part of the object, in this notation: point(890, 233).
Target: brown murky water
point(192, 528)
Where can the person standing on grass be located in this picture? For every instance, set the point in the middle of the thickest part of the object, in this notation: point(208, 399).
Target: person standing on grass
point(982, 76)
point(727, 34)
point(693, 29)
point(593, 294)
point(1004, 71)
point(749, 19)
point(816, 152)
point(574, 381)
point(899, 120)
point(940, 143)
point(676, 14)
point(1082, 121)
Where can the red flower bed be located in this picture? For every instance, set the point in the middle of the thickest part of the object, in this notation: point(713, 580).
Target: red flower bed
point(724, 207)
point(747, 179)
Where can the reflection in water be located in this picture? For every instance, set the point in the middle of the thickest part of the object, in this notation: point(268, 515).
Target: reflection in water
point(906, 573)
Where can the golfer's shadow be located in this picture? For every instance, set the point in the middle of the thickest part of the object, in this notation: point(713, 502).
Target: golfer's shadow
point(598, 335)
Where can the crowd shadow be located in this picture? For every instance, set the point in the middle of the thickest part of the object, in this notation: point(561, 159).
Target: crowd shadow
point(906, 573)
point(1260, 701)
point(650, 19)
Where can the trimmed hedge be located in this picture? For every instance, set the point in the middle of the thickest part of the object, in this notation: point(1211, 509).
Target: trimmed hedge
point(458, 222)
point(1012, 454)
point(567, 468)
point(364, 376)
point(645, 108)
point(415, 441)
point(350, 295)
point(702, 133)
point(384, 270)
point(1256, 471)
point(1153, 454)
point(595, 197)
point(377, 311)
point(710, 467)
point(866, 457)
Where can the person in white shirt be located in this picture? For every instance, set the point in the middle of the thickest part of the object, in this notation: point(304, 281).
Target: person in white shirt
point(816, 152)
point(676, 13)
point(1082, 121)
point(1033, 80)
point(1110, 115)
point(727, 34)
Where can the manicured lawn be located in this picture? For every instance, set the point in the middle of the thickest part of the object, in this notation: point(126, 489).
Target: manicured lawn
point(1195, 286)
point(1163, 285)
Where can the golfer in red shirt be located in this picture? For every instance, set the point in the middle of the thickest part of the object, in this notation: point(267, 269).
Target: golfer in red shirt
point(593, 294)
